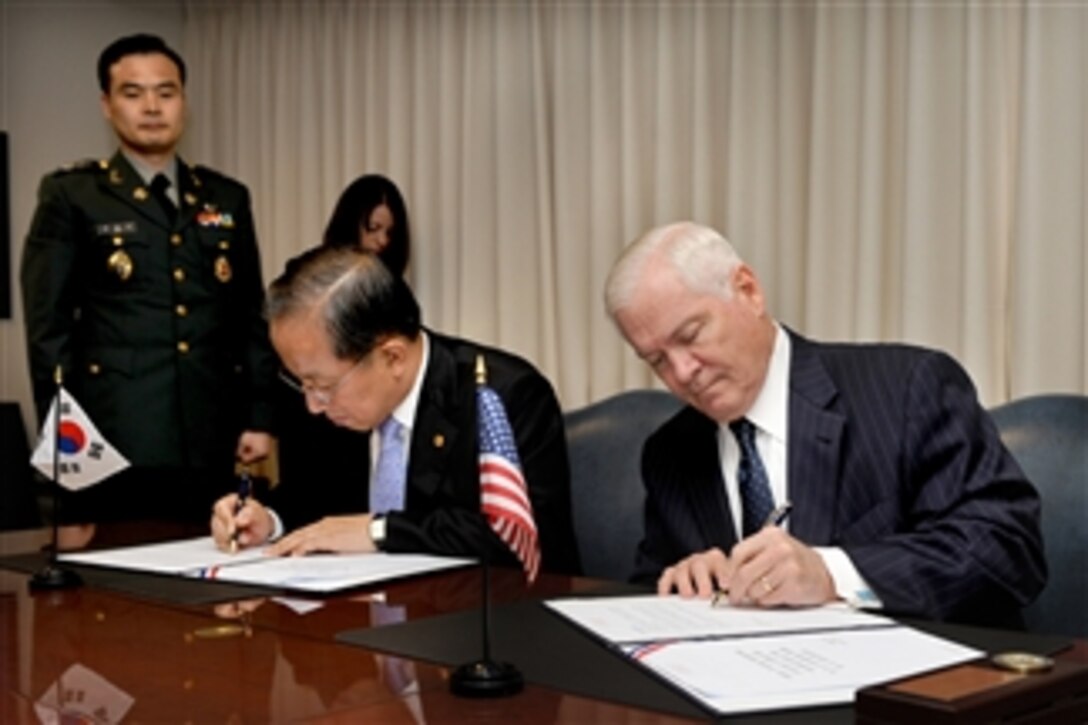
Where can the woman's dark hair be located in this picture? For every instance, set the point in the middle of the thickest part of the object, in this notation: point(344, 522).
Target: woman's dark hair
point(352, 213)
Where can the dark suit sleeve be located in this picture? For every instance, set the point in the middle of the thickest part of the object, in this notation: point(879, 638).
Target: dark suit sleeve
point(47, 278)
point(968, 538)
point(657, 550)
point(542, 444)
point(458, 528)
point(685, 510)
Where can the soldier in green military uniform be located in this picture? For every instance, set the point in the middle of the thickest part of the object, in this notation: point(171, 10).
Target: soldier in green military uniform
point(141, 279)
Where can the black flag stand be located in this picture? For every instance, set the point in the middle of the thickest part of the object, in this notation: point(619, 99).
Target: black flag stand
point(53, 576)
point(485, 677)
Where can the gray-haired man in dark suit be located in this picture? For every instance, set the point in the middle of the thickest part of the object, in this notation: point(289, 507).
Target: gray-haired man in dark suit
point(903, 496)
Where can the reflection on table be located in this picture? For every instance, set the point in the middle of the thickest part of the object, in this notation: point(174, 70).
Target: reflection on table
point(94, 655)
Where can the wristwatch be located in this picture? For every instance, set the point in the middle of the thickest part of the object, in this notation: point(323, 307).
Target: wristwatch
point(377, 530)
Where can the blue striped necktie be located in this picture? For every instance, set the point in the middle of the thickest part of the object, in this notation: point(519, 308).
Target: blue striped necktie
point(756, 499)
point(387, 486)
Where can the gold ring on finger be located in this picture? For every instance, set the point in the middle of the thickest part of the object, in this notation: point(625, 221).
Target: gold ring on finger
point(767, 586)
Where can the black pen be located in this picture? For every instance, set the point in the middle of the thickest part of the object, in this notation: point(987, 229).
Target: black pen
point(244, 490)
point(777, 517)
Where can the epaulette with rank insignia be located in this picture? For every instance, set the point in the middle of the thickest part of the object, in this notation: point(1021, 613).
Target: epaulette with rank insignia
point(209, 174)
point(83, 165)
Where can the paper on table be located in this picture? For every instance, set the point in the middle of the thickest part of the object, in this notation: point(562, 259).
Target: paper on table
point(199, 557)
point(774, 672)
point(171, 557)
point(329, 572)
point(649, 618)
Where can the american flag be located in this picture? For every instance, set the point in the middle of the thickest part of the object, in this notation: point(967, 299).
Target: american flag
point(504, 497)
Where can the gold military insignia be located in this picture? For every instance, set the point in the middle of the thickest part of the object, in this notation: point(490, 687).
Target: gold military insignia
point(439, 440)
point(190, 198)
point(223, 272)
point(139, 193)
point(104, 164)
point(120, 264)
point(115, 176)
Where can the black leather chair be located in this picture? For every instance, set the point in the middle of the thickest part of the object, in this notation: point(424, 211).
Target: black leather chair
point(1048, 436)
point(605, 444)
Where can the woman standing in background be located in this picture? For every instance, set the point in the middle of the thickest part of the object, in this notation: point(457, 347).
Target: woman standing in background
point(371, 214)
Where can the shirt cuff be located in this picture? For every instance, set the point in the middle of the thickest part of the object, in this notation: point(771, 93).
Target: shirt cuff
point(848, 582)
point(277, 525)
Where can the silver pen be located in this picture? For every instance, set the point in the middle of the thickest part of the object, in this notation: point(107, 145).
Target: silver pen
point(778, 516)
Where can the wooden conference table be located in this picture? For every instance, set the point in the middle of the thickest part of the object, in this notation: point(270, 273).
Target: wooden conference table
point(105, 652)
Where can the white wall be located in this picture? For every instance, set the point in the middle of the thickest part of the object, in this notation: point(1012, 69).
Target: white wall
point(49, 107)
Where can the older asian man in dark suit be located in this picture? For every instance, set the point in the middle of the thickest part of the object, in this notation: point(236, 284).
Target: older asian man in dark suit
point(902, 494)
point(350, 334)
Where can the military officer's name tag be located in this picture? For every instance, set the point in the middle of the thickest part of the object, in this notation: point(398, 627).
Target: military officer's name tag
point(112, 228)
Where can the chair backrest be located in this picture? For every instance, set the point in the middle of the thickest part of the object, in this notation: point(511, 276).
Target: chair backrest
point(605, 440)
point(1048, 436)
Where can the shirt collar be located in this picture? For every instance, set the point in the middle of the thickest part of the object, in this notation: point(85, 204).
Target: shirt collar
point(405, 413)
point(147, 173)
point(770, 410)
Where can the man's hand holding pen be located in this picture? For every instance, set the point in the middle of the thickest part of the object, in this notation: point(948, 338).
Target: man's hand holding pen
point(768, 569)
point(773, 569)
point(240, 521)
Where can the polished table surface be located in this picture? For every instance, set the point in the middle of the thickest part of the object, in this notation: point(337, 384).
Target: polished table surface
point(256, 659)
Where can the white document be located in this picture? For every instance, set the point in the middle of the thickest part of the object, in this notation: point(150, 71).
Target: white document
point(650, 618)
point(748, 674)
point(330, 572)
point(171, 557)
point(201, 558)
point(745, 659)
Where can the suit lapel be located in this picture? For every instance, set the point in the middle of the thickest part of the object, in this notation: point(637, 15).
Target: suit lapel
point(123, 182)
point(434, 435)
point(814, 447)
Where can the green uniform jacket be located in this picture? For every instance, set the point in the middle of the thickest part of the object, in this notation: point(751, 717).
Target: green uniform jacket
point(158, 326)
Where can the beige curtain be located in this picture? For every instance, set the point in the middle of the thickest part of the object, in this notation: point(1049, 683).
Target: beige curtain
point(894, 171)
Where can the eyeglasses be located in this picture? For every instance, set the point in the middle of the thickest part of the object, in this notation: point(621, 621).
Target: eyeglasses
point(322, 395)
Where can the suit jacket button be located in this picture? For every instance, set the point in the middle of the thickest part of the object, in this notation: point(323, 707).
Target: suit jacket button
point(94, 368)
point(179, 274)
point(183, 347)
point(175, 239)
point(182, 310)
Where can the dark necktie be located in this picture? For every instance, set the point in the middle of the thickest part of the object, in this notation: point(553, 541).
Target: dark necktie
point(755, 488)
point(159, 185)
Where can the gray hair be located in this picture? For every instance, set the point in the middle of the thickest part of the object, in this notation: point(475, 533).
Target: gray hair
point(704, 259)
point(359, 300)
